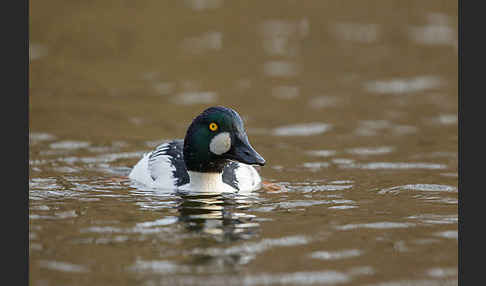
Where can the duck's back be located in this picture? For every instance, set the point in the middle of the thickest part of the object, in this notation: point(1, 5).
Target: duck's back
point(165, 168)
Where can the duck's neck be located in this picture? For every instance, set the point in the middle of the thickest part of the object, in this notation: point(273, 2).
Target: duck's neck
point(203, 162)
point(207, 182)
point(198, 157)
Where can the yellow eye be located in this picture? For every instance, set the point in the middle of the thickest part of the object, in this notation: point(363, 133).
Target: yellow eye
point(213, 126)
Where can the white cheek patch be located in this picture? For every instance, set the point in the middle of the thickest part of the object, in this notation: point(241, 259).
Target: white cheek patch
point(220, 144)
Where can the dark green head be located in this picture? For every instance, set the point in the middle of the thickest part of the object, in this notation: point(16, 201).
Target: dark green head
point(216, 136)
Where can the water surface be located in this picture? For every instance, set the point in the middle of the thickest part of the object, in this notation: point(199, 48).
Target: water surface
point(353, 105)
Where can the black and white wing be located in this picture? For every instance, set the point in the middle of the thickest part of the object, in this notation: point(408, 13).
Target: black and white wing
point(167, 159)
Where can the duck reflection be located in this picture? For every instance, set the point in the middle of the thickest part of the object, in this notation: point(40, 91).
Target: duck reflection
point(221, 215)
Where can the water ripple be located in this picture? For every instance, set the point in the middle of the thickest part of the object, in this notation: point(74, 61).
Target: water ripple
point(70, 145)
point(394, 166)
point(376, 225)
point(419, 187)
point(333, 255)
point(371, 150)
point(63, 266)
point(296, 278)
point(254, 247)
point(304, 129)
point(403, 85)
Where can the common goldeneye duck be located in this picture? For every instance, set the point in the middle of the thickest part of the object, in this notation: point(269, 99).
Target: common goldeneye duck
point(215, 156)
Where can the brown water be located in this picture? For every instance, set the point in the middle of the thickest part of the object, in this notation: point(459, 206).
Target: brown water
point(353, 104)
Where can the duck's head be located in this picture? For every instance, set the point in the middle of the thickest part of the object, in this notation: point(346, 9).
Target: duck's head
point(216, 136)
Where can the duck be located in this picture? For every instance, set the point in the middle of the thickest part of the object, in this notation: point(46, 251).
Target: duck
point(214, 156)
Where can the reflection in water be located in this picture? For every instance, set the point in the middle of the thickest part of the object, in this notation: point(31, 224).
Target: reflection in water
point(375, 127)
point(164, 88)
point(403, 85)
point(437, 31)
point(315, 166)
point(283, 38)
point(447, 119)
point(376, 225)
point(283, 69)
point(349, 164)
point(333, 255)
point(35, 137)
point(217, 214)
point(442, 272)
point(69, 145)
point(323, 101)
point(371, 150)
point(304, 129)
point(284, 278)
point(63, 266)
point(192, 92)
point(201, 5)
point(37, 51)
point(322, 153)
point(245, 252)
point(453, 234)
point(209, 41)
point(353, 32)
point(419, 187)
point(285, 91)
point(195, 97)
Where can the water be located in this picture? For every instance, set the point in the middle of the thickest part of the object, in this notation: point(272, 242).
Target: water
point(353, 105)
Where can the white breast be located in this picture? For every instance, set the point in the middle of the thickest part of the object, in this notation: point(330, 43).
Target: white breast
point(207, 183)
